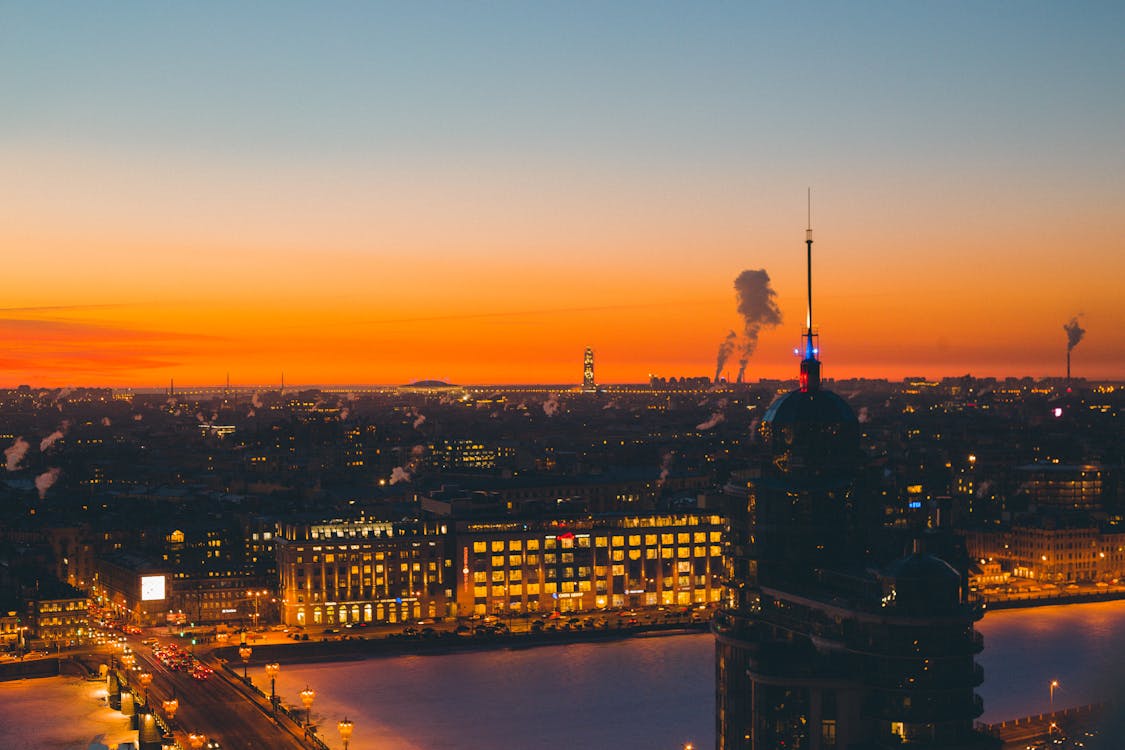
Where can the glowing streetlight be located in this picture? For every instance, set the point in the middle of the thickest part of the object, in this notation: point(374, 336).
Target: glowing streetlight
point(1051, 687)
point(195, 741)
point(271, 672)
point(345, 728)
point(145, 678)
point(256, 596)
point(170, 707)
point(244, 651)
point(308, 695)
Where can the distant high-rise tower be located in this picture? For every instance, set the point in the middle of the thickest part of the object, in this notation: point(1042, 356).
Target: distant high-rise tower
point(827, 636)
point(588, 384)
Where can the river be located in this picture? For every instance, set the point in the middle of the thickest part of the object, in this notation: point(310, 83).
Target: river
point(657, 693)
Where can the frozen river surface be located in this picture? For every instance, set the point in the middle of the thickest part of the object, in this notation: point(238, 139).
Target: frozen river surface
point(654, 693)
point(644, 694)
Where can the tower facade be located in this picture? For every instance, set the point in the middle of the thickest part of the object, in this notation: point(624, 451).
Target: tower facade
point(828, 635)
point(588, 384)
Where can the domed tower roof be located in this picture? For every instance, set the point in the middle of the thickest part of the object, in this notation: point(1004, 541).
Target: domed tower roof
point(922, 584)
point(810, 407)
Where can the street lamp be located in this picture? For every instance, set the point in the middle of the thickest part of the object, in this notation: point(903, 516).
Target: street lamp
point(195, 741)
point(1053, 684)
point(145, 678)
point(256, 596)
point(170, 707)
point(308, 695)
point(244, 651)
point(271, 672)
point(345, 728)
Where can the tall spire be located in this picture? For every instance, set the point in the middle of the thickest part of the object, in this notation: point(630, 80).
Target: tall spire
point(810, 365)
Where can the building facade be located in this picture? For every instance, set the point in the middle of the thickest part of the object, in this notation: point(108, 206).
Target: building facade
point(521, 567)
point(349, 571)
point(360, 571)
point(131, 589)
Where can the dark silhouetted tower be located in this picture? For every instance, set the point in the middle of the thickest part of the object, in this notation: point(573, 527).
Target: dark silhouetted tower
point(828, 637)
point(588, 384)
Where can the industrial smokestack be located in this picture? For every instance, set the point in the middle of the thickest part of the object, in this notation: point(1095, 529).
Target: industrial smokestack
point(725, 350)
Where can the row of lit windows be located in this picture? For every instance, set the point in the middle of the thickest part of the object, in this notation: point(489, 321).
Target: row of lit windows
point(583, 541)
point(343, 571)
point(61, 621)
point(617, 555)
point(63, 606)
point(364, 557)
point(579, 601)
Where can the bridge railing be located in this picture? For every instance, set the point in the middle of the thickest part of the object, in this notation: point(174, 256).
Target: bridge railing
point(1047, 718)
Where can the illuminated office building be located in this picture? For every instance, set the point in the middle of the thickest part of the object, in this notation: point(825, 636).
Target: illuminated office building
point(588, 385)
point(349, 571)
point(515, 567)
point(355, 571)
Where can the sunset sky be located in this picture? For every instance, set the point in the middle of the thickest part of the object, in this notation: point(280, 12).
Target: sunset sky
point(385, 192)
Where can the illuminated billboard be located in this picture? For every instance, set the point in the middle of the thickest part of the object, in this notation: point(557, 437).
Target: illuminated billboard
point(152, 588)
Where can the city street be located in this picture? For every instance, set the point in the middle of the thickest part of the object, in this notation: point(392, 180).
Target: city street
point(215, 708)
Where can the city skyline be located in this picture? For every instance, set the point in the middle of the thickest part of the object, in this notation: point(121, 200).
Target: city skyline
point(374, 194)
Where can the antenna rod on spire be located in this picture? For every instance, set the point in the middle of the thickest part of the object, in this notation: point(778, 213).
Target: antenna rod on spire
point(810, 365)
point(808, 246)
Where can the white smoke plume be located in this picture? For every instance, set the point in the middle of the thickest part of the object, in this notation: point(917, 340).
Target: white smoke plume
point(199, 417)
point(665, 467)
point(63, 393)
point(344, 414)
point(138, 417)
point(551, 405)
point(50, 440)
point(419, 420)
point(250, 413)
point(758, 307)
point(863, 416)
point(610, 405)
point(712, 422)
point(14, 453)
point(256, 401)
point(984, 487)
point(106, 421)
point(1074, 333)
point(46, 480)
point(399, 474)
